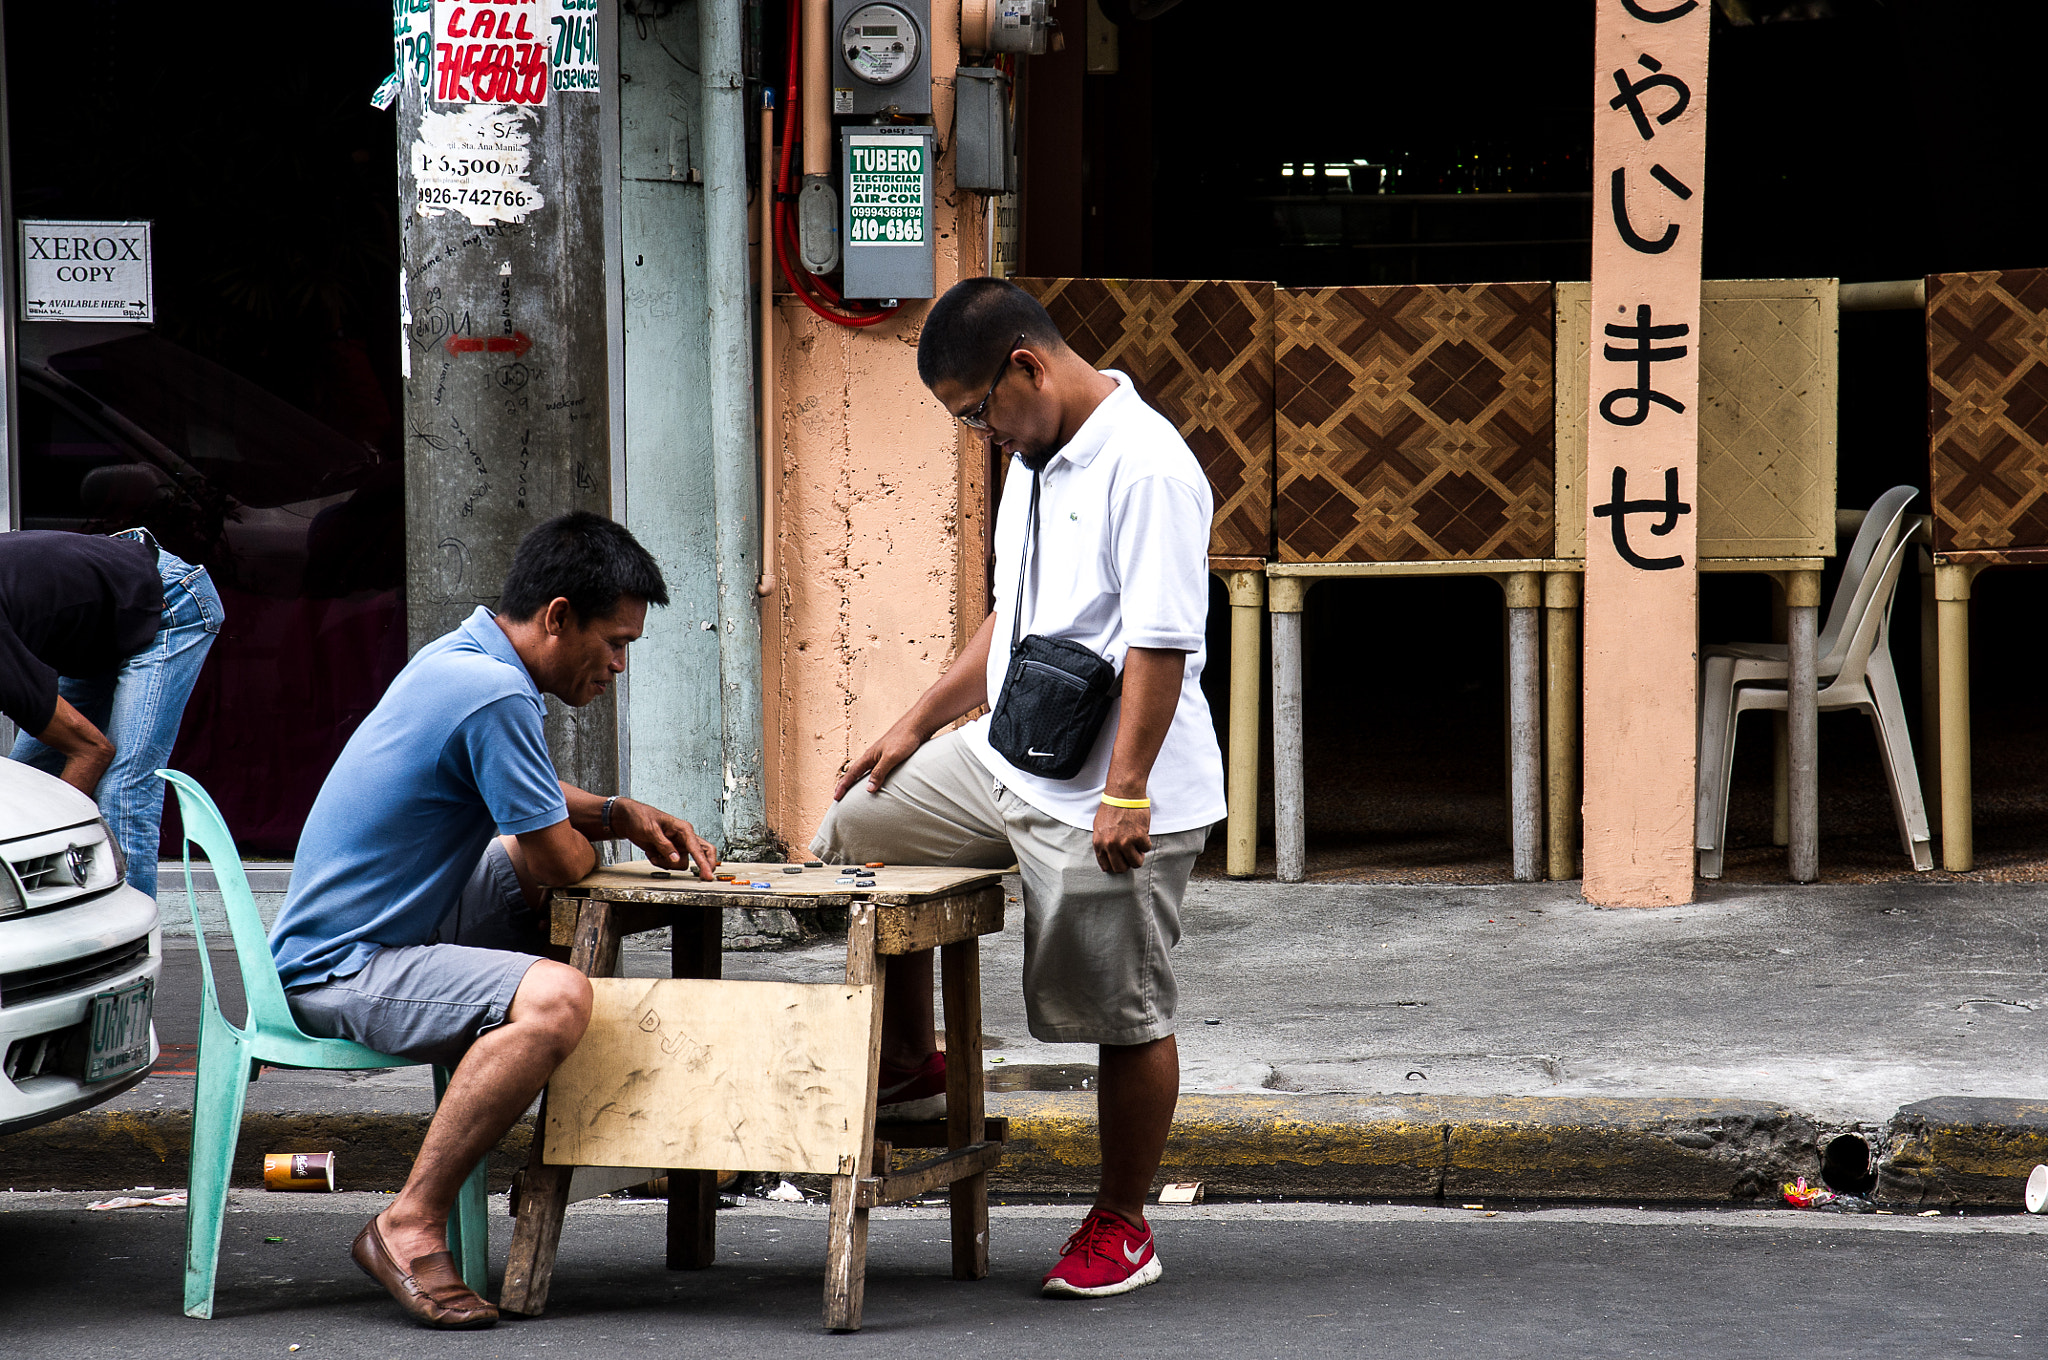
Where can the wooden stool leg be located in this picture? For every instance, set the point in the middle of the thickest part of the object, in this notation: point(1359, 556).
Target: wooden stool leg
point(960, 974)
point(544, 1190)
point(846, 1259)
point(695, 951)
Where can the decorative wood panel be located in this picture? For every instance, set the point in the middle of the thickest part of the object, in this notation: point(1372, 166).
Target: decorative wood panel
point(1987, 416)
point(1202, 354)
point(1767, 417)
point(1414, 423)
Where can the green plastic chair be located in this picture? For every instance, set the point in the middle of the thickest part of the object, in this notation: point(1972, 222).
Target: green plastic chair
point(269, 1035)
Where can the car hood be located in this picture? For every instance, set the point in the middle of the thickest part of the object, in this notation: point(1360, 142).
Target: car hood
point(33, 802)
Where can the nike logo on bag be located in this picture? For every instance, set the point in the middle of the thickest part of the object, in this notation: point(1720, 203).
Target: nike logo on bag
point(1135, 1256)
point(1033, 751)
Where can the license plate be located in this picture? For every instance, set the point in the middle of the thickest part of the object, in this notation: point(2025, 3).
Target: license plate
point(119, 1034)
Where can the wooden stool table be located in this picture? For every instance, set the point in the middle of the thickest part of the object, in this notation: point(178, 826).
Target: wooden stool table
point(751, 1065)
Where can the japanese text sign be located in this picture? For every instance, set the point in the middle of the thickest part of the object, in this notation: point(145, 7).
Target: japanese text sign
point(1641, 591)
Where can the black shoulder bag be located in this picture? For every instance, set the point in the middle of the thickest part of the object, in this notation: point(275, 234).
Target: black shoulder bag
point(1056, 694)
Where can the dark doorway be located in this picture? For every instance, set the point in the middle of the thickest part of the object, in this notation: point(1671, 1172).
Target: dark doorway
point(253, 427)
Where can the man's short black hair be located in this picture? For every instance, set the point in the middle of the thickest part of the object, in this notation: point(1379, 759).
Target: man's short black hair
point(972, 329)
point(584, 558)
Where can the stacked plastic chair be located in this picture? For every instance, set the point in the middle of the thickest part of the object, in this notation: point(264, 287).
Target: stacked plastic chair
point(1855, 671)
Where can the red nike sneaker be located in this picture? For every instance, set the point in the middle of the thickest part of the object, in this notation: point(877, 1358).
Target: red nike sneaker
point(1105, 1256)
point(913, 1093)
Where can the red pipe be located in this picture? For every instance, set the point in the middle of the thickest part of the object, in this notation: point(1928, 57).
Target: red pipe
point(779, 218)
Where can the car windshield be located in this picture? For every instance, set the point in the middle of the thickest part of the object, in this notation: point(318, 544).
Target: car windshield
point(258, 448)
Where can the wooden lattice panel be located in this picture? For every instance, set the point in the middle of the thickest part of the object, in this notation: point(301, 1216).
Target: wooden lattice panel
point(1414, 423)
point(1987, 417)
point(1202, 354)
point(1767, 417)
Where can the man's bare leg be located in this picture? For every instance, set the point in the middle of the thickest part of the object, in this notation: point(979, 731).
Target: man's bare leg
point(1139, 1084)
point(907, 1019)
point(492, 1086)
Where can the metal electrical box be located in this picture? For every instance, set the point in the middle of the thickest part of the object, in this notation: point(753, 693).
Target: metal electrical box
point(982, 130)
point(887, 233)
point(882, 58)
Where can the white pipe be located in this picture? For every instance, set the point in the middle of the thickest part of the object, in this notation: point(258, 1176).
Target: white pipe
point(1891, 295)
point(976, 19)
point(817, 88)
point(735, 466)
point(771, 445)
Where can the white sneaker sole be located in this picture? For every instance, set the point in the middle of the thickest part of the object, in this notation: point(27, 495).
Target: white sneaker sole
point(907, 1111)
point(1142, 1276)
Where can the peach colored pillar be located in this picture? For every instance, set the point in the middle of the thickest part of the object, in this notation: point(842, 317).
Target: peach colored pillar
point(1642, 574)
point(879, 499)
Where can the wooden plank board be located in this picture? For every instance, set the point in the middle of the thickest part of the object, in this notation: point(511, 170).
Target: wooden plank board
point(637, 881)
point(949, 920)
point(960, 1164)
point(695, 1072)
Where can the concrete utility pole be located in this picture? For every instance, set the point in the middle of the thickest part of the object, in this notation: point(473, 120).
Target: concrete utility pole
point(502, 289)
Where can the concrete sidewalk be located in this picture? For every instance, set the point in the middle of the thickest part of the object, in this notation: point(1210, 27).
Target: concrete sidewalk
point(1418, 1042)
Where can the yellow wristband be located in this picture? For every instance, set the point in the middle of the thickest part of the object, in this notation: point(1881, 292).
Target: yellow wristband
point(1127, 802)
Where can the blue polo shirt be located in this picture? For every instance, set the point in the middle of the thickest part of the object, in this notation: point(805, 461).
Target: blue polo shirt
point(452, 755)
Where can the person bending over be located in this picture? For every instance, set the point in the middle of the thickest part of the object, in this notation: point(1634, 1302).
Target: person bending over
point(101, 641)
point(415, 921)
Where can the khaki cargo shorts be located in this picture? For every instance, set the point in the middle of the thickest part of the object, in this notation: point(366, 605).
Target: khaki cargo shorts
point(1096, 969)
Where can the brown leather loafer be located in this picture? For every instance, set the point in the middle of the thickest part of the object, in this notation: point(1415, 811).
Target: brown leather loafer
point(431, 1292)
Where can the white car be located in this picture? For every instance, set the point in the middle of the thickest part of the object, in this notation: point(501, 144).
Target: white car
point(80, 955)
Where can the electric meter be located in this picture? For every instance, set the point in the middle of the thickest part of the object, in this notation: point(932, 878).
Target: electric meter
point(883, 60)
point(881, 44)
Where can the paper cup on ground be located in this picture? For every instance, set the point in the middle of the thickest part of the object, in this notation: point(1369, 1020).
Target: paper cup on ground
point(2037, 1190)
point(298, 1171)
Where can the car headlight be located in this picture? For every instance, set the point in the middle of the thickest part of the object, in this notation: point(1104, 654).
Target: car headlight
point(120, 860)
point(12, 903)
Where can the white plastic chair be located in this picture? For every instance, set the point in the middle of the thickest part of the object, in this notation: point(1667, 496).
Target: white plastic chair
point(1884, 525)
point(1857, 673)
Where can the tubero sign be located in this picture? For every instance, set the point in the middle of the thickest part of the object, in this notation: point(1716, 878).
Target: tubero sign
point(86, 271)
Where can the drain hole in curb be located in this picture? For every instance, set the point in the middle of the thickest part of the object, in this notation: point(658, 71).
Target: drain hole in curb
point(1845, 1166)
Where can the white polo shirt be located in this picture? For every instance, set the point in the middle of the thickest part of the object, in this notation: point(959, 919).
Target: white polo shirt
point(1122, 561)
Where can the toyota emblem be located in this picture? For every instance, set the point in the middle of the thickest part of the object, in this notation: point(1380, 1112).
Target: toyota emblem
point(79, 860)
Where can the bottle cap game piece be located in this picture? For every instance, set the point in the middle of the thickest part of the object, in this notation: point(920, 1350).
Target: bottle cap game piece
point(876, 864)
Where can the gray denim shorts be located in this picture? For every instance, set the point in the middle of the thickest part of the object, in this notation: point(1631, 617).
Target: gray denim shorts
point(429, 1002)
point(1096, 946)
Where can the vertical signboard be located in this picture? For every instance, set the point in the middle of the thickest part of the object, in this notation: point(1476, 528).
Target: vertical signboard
point(1642, 450)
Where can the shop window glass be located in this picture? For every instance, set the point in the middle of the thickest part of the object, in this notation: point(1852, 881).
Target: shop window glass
point(252, 427)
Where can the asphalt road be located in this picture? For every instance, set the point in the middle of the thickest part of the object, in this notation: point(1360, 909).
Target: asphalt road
point(1241, 1281)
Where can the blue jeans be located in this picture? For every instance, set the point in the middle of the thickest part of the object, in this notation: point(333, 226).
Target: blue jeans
point(139, 706)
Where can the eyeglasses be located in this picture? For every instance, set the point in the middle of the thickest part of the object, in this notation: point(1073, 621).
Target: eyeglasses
point(977, 418)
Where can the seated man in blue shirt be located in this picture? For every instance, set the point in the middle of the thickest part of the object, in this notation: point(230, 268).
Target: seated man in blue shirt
point(414, 921)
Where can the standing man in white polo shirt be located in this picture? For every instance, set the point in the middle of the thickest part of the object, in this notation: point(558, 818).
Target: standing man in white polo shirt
point(1119, 567)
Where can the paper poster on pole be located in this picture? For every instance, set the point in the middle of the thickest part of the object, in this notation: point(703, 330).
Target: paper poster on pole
point(491, 53)
point(86, 271)
point(501, 51)
point(1642, 451)
point(474, 162)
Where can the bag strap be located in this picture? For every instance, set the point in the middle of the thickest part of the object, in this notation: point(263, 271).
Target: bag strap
point(1023, 562)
